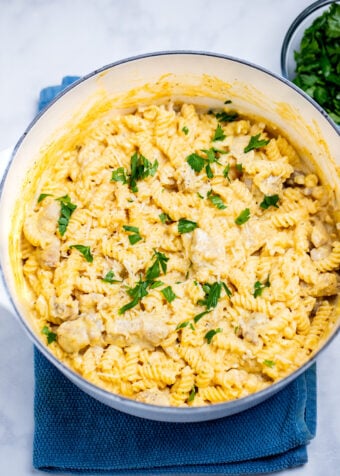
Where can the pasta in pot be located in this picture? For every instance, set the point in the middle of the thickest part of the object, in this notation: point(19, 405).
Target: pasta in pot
point(181, 257)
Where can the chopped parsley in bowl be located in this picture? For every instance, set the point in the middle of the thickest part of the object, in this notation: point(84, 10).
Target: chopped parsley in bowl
point(310, 55)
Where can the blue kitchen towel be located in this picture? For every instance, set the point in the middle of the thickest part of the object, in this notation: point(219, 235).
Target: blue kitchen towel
point(75, 433)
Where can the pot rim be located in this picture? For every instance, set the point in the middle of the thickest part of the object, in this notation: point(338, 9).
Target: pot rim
point(148, 411)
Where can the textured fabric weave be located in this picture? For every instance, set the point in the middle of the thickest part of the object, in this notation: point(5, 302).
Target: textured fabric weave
point(75, 433)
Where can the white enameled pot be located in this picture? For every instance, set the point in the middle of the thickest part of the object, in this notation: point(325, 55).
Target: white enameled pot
point(203, 78)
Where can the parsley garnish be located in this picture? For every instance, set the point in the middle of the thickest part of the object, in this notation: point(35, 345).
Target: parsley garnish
point(42, 196)
point(119, 175)
point(185, 130)
point(135, 236)
point(155, 269)
point(259, 287)
point(168, 294)
point(137, 293)
point(210, 334)
point(227, 290)
point(269, 201)
point(200, 315)
point(185, 324)
point(269, 363)
point(140, 169)
point(66, 210)
point(85, 251)
point(243, 217)
point(164, 218)
point(216, 200)
point(155, 284)
point(212, 294)
point(108, 278)
point(193, 392)
point(51, 336)
point(228, 101)
point(186, 226)
point(226, 116)
point(239, 168)
point(219, 134)
point(255, 143)
point(197, 162)
point(226, 172)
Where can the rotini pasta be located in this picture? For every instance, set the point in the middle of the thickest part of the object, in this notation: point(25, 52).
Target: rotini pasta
point(180, 258)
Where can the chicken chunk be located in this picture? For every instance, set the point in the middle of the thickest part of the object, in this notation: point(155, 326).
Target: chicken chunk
point(74, 336)
point(154, 397)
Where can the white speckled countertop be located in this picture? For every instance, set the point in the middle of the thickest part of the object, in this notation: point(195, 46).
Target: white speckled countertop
point(42, 40)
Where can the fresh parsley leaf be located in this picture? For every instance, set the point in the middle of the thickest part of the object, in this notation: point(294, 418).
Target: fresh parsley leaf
point(269, 363)
point(226, 116)
point(219, 134)
point(243, 217)
point(186, 226)
point(226, 172)
point(119, 175)
point(228, 101)
point(210, 334)
point(51, 336)
point(239, 168)
point(200, 196)
point(155, 284)
point(185, 130)
point(108, 278)
point(196, 162)
point(164, 218)
point(66, 210)
point(140, 169)
point(216, 200)
point(168, 294)
point(227, 290)
point(182, 325)
point(259, 287)
point(192, 394)
point(85, 251)
point(137, 293)
point(42, 196)
point(135, 236)
point(212, 294)
point(200, 315)
point(269, 201)
point(255, 143)
point(155, 269)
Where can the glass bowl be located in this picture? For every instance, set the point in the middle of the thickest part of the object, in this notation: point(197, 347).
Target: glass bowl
point(295, 33)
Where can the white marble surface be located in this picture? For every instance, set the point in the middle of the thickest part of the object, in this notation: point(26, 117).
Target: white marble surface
point(42, 40)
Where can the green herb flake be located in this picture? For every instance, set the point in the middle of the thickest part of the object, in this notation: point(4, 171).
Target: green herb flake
point(51, 336)
point(137, 293)
point(42, 196)
point(159, 264)
point(230, 116)
point(212, 294)
point(164, 218)
point(186, 226)
point(227, 290)
point(269, 201)
point(85, 251)
point(66, 210)
point(109, 278)
point(200, 196)
point(259, 287)
point(239, 168)
point(185, 130)
point(228, 101)
point(135, 236)
point(119, 175)
point(256, 143)
point(141, 168)
point(226, 172)
point(199, 316)
point(168, 294)
point(192, 394)
point(216, 200)
point(243, 217)
point(219, 134)
point(182, 325)
point(196, 162)
point(210, 334)
point(155, 284)
point(269, 363)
